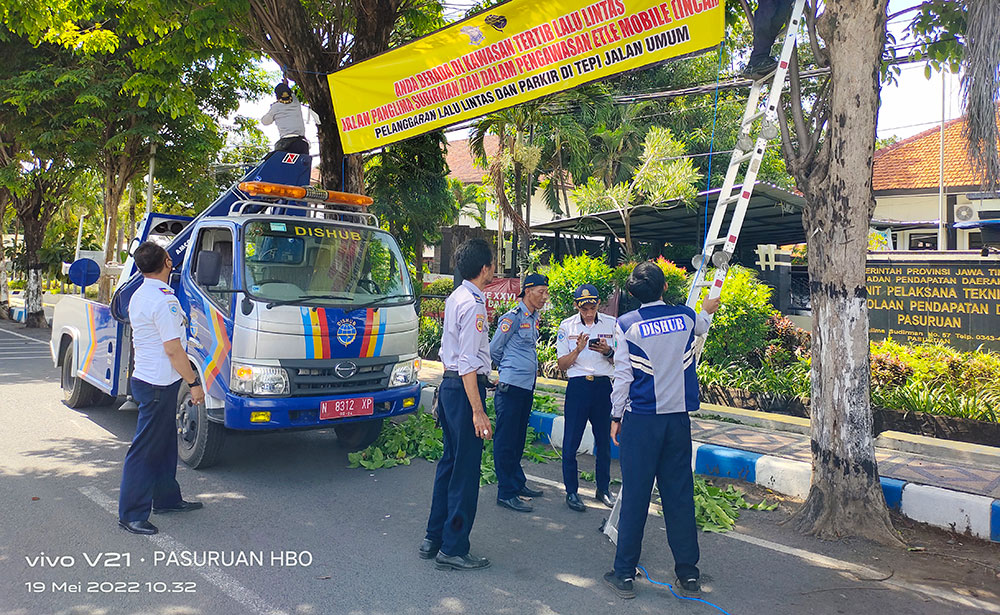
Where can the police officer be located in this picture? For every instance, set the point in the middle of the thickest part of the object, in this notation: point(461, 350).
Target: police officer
point(159, 339)
point(465, 353)
point(584, 345)
point(513, 350)
point(655, 378)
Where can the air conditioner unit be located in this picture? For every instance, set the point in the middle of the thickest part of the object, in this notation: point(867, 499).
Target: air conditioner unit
point(980, 201)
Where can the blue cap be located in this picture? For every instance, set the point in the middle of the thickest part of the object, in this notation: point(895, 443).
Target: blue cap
point(533, 279)
point(586, 293)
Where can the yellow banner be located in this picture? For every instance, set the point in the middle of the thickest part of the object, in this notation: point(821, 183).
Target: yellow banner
point(509, 54)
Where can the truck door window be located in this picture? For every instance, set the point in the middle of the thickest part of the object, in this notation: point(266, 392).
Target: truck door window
point(218, 240)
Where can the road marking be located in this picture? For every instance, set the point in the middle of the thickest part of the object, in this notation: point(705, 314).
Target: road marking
point(30, 339)
point(223, 581)
point(816, 559)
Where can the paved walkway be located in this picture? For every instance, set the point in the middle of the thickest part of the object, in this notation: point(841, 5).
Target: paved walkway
point(908, 467)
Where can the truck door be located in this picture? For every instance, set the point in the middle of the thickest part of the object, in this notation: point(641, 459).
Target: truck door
point(210, 328)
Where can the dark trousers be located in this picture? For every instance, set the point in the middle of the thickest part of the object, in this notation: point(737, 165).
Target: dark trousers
point(295, 145)
point(768, 20)
point(657, 446)
point(149, 477)
point(456, 484)
point(587, 400)
point(513, 406)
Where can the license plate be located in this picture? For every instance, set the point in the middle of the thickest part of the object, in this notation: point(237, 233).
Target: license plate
point(339, 408)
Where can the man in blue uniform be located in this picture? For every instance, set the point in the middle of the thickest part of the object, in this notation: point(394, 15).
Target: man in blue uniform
point(655, 377)
point(513, 350)
point(159, 338)
point(465, 353)
point(585, 347)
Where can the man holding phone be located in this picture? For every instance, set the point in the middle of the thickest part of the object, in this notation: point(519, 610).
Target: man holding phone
point(585, 346)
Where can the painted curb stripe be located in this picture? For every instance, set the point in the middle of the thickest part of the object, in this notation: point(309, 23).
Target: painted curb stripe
point(913, 500)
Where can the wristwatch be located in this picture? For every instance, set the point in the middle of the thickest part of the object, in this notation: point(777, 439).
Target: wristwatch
point(616, 419)
point(196, 383)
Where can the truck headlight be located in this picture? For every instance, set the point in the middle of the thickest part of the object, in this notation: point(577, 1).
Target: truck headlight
point(259, 380)
point(404, 373)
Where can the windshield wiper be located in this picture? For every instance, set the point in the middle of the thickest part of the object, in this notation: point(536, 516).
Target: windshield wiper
point(386, 298)
point(275, 302)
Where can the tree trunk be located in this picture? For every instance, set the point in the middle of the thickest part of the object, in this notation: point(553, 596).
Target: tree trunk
point(418, 261)
point(34, 234)
point(4, 292)
point(845, 498)
point(114, 188)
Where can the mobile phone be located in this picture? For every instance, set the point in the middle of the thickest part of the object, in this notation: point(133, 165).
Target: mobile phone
point(594, 341)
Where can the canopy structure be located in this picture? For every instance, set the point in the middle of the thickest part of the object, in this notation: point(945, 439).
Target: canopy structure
point(773, 216)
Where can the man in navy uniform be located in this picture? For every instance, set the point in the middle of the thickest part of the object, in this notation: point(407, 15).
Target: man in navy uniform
point(655, 378)
point(585, 346)
point(768, 20)
point(159, 338)
point(513, 350)
point(465, 353)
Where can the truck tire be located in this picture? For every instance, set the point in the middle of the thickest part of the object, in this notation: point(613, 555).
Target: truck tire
point(77, 393)
point(359, 435)
point(199, 440)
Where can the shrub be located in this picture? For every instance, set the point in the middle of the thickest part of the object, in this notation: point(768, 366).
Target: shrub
point(675, 277)
point(740, 331)
point(787, 336)
point(566, 276)
point(442, 286)
point(429, 337)
point(888, 372)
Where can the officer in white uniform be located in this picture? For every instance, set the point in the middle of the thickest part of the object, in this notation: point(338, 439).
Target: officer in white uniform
point(655, 388)
point(159, 337)
point(465, 353)
point(585, 347)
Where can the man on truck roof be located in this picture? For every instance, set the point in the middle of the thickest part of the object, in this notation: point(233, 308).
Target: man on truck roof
point(159, 337)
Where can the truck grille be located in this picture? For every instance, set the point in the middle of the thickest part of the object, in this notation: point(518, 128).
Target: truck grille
point(320, 377)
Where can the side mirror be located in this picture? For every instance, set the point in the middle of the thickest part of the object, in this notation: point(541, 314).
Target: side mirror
point(209, 268)
point(133, 245)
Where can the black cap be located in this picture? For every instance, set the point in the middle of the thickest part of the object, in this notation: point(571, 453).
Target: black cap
point(282, 91)
point(586, 293)
point(533, 279)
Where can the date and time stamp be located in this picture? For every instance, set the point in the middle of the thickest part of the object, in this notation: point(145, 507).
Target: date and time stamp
point(149, 563)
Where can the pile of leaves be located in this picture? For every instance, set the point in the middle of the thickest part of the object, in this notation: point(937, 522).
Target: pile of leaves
point(717, 509)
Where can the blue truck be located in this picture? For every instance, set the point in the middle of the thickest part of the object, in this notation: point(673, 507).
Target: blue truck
point(300, 313)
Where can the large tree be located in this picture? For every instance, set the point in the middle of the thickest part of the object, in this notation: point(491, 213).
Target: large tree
point(828, 141)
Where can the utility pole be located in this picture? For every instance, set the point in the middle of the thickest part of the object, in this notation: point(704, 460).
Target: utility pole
point(149, 184)
point(942, 210)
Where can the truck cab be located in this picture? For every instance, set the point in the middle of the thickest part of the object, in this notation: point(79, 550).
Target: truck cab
point(300, 314)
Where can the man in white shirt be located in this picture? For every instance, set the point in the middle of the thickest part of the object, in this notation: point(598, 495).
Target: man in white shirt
point(585, 346)
point(465, 353)
point(158, 339)
point(286, 114)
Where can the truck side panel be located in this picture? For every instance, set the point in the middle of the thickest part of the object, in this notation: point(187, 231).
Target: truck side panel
point(95, 337)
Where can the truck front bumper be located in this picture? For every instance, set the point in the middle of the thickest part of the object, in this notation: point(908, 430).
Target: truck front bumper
point(303, 412)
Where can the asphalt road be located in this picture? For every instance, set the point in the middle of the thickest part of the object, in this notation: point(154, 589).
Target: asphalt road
point(280, 494)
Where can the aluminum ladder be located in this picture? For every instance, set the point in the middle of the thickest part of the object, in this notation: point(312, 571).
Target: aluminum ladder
point(718, 249)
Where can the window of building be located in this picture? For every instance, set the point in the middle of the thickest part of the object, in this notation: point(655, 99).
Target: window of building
point(923, 241)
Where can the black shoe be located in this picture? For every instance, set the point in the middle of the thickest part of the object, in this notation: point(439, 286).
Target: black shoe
point(573, 501)
point(515, 503)
point(528, 492)
point(428, 549)
point(183, 506)
point(760, 69)
point(460, 562)
point(622, 587)
point(138, 527)
point(605, 498)
point(689, 588)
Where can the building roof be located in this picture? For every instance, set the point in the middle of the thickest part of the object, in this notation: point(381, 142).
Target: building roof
point(462, 163)
point(774, 215)
point(913, 164)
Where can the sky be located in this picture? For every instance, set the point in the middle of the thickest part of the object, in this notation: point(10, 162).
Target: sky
point(899, 114)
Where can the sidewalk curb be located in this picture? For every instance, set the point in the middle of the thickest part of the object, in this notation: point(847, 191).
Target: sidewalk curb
point(976, 515)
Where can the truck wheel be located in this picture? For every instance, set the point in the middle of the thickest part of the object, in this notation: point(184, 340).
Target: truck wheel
point(358, 436)
point(77, 392)
point(199, 440)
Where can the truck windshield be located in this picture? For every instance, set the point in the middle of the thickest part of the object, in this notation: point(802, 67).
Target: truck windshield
point(320, 262)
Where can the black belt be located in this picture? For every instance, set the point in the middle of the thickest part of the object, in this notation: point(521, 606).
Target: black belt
point(480, 378)
point(593, 378)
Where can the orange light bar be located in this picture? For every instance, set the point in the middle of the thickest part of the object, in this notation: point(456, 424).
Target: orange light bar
point(304, 193)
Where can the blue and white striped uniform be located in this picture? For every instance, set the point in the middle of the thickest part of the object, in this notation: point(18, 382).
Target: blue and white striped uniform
point(657, 335)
